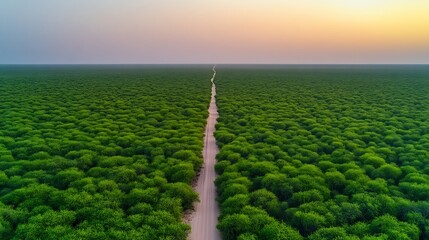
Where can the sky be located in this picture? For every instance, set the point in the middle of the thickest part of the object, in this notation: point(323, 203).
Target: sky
point(214, 31)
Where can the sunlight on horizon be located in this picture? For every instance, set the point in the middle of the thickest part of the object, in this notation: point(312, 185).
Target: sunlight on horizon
point(189, 31)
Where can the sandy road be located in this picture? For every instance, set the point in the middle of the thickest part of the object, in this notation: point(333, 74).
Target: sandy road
point(204, 219)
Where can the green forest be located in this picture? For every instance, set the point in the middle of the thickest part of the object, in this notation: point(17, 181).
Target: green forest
point(99, 152)
point(306, 152)
point(323, 152)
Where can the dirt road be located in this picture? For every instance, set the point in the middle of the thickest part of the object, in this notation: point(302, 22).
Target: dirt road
point(204, 219)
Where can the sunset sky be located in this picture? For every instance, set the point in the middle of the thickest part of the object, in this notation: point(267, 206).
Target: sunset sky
point(214, 31)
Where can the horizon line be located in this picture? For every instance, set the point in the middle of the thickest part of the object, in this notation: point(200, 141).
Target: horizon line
point(291, 64)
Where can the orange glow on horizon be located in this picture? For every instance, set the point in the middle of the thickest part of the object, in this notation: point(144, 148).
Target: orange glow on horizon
point(239, 31)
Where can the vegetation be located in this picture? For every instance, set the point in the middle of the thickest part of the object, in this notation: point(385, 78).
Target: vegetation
point(99, 152)
point(323, 152)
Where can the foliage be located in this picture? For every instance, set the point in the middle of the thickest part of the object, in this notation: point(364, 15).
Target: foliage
point(99, 152)
point(332, 152)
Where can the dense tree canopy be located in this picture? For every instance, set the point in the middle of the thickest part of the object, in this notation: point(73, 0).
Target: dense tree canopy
point(323, 152)
point(306, 153)
point(99, 152)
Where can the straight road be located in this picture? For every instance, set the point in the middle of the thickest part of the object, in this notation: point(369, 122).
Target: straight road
point(204, 219)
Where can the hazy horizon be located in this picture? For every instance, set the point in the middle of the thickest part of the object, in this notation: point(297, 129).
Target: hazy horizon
point(218, 64)
point(214, 32)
